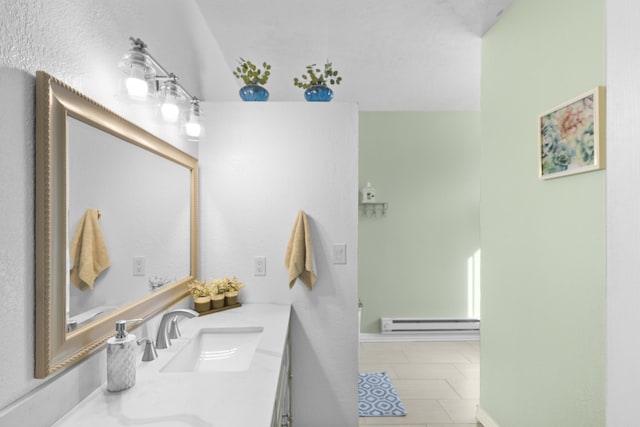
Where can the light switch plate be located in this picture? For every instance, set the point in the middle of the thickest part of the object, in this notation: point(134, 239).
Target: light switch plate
point(139, 266)
point(260, 266)
point(340, 253)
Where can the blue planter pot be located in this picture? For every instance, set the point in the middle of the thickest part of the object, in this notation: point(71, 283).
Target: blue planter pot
point(254, 93)
point(318, 93)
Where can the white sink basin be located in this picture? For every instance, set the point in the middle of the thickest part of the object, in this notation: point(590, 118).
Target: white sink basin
point(217, 350)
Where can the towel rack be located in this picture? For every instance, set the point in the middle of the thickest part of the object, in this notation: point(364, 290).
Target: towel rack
point(374, 208)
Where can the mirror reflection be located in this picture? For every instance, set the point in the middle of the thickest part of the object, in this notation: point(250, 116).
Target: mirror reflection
point(140, 238)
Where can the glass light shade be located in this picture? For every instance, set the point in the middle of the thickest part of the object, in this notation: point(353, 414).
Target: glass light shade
point(170, 111)
point(170, 102)
point(137, 66)
point(137, 86)
point(193, 128)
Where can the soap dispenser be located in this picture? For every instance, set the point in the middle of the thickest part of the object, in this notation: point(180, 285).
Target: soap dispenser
point(122, 350)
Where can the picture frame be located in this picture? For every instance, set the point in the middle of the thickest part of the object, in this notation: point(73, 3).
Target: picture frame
point(571, 136)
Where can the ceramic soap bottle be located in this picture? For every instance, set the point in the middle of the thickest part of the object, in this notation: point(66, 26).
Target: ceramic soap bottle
point(121, 359)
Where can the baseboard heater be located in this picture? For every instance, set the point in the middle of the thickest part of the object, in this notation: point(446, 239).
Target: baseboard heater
point(417, 325)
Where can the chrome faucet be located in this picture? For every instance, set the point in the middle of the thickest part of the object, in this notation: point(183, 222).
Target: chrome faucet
point(162, 340)
point(149, 352)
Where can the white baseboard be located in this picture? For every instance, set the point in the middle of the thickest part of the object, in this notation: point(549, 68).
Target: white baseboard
point(484, 418)
point(422, 336)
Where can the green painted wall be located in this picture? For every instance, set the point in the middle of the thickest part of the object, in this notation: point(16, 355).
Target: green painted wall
point(413, 261)
point(543, 242)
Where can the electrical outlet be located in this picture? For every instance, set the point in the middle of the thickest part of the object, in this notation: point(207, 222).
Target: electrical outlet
point(260, 266)
point(139, 266)
point(340, 253)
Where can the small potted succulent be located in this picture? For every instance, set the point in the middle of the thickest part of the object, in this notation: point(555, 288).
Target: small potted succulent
point(315, 80)
point(253, 77)
point(229, 287)
point(201, 296)
point(231, 296)
point(217, 295)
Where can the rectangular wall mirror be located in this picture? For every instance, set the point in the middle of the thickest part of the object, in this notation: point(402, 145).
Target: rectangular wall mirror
point(145, 190)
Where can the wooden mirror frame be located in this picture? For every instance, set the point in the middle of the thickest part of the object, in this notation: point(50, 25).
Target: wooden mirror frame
point(55, 348)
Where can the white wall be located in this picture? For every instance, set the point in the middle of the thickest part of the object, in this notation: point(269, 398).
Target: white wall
point(79, 42)
point(262, 163)
point(427, 167)
point(623, 213)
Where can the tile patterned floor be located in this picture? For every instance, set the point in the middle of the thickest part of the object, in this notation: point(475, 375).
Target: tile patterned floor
point(438, 382)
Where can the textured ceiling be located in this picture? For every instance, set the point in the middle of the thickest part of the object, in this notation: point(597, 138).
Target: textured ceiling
point(394, 55)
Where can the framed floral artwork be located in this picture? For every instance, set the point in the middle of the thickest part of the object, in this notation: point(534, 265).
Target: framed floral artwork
point(571, 136)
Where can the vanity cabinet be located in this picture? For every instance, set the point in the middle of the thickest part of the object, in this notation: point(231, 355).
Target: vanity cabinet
point(282, 408)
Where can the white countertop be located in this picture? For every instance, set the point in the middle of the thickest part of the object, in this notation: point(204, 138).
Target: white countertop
point(224, 399)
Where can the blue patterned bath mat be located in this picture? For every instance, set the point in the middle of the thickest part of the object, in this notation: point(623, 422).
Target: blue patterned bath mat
point(378, 397)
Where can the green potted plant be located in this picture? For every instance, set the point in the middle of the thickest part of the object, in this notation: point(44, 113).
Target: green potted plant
point(201, 296)
point(253, 77)
point(315, 81)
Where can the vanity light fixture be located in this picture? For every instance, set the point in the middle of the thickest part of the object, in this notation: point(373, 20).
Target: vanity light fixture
point(145, 77)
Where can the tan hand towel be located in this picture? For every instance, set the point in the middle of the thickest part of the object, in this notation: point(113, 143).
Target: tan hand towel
point(88, 251)
point(299, 256)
